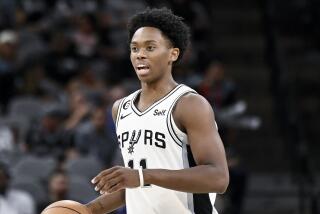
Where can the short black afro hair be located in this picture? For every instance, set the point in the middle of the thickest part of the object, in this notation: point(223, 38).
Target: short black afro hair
point(170, 25)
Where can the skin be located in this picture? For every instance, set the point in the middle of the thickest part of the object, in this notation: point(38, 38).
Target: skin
point(58, 187)
point(151, 47)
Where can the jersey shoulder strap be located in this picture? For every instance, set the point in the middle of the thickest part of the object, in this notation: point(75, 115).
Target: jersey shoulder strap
point(182, 90)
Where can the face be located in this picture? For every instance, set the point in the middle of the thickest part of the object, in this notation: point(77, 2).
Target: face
point(59, 184)
point(8, 50)
point(151, 54)
point(215, 72)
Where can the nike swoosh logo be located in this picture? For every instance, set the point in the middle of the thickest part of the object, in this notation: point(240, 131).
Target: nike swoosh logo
point(123, 116)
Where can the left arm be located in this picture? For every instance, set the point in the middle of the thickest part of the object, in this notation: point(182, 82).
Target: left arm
point(194, 115)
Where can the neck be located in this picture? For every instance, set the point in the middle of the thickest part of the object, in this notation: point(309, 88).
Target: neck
point(157, 89)
point(152, 92)
point(58, 196)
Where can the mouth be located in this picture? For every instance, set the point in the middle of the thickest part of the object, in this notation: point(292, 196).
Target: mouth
point(142, 69)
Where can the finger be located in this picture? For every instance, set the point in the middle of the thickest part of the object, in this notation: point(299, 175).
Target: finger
point(103, 173)
point(111, 183)
point(105, 181)
point(116, 188)
point(100, 184)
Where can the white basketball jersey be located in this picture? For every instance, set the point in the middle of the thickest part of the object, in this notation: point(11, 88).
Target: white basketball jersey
point(151, 139)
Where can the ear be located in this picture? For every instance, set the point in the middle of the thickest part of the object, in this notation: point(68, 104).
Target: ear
point(174, 54)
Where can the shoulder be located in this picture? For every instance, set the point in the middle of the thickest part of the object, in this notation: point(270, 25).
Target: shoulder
point(20, 196)
point(115, 108)
point(193, 109)
point(125, 102)
point(192, 102)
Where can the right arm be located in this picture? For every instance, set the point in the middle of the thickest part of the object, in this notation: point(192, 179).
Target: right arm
point(108, 202)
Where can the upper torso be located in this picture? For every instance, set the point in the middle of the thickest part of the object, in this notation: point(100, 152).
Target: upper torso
point(151, 139)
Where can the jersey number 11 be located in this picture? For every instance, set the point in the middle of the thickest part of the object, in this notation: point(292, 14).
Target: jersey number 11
point(143, 164)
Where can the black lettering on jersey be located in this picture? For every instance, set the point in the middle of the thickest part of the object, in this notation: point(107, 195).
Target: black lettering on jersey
point(125, 137)
point(160, 140)
point(148, 137)
point(135, 137)
point(159, 112)
point(119, 140)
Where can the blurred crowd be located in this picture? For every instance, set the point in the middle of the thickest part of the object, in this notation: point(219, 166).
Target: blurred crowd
point(62, 65)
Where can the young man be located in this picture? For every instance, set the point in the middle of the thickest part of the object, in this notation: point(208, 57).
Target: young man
point(174, 158)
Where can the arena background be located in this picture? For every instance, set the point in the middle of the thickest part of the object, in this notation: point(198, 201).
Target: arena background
point(63, 63)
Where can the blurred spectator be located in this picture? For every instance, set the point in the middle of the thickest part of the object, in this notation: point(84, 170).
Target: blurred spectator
point(61, 62)
point(94, 137)
point(13, 201)
point(67, 8)
point(48, 137)
point(196, 15)
point(237, 185)
point(8, 50)
point(115, 93)
point(220, 91)
point(115, 50)
point(86, 80)
point(186, 75)
point(78, 108)
point(10, 149)
point(35, 82)
point(84, 38)
point(7, 8)
point(6, 140)
point(58, 189)
point(222, 94)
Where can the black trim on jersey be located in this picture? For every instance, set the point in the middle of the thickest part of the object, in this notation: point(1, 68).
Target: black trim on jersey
point(172, 133)
point(169, 121)
point(169, 124)
point(178, 143)
point(169, 116)
point(201, 202)
point(119, 111)
point(139, 113)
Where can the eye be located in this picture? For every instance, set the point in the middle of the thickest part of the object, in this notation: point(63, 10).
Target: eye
point(150, 48)
point(134, 49)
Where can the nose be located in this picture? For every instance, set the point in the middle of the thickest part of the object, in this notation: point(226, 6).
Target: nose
point(141, 54)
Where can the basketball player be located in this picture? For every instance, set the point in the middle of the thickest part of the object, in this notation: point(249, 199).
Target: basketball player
point(174, 158)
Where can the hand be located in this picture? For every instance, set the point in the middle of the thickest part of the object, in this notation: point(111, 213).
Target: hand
point(116, 178)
